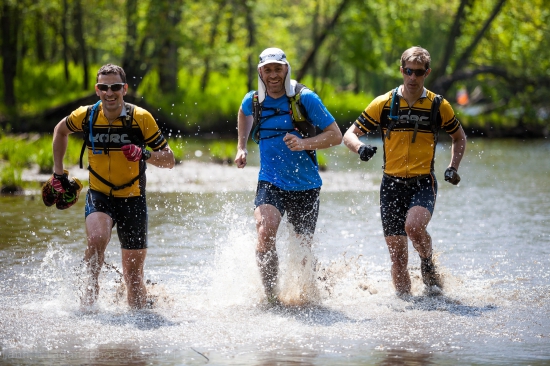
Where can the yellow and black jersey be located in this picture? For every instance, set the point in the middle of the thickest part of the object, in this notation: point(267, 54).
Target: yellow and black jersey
point(104, 144)
point(404, 158)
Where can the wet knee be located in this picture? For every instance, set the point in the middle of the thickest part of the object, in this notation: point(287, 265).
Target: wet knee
point(98, 240)
point(414, 233)
point(133, 279)
point(266, 233)
point(399, 260)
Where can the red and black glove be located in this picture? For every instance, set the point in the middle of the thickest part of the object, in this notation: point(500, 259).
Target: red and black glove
point(60, 182)
point(132, 152)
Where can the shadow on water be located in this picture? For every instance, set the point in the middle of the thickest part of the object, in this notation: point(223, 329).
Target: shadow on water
point(142, 320)
point(312, 314)
point(445, 303)
point(404, 357)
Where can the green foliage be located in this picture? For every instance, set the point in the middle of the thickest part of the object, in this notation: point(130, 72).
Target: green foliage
point(356, 60)
point(10, 175)
point(322, 160)
point(23, 151)
point(345, 106)
point(222, 151)
point(42, 86)
point(15, 150)
point(43, 154)
point(194, 108)
point(179, 149)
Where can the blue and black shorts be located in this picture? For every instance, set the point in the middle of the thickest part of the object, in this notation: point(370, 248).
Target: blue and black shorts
point(301, 207)
point(128, 214)
point(397, 196)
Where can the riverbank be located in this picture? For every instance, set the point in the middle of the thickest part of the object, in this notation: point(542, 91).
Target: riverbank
point(193, 176)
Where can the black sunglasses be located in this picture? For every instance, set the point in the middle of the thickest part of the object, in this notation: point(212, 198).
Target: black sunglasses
point(417, 72)
point(114, 87)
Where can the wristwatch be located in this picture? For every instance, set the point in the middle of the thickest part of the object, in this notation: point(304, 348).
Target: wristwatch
point(146, 155)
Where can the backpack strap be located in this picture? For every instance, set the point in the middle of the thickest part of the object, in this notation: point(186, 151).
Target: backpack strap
point(89, 120)
point(436, 103)
point(129, 114)
point(142, 168)
point(300, 119)
point(257, 114)
point(394, 114)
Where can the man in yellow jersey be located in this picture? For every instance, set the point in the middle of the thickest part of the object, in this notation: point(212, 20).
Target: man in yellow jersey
point(116, 135)
point(409, 187)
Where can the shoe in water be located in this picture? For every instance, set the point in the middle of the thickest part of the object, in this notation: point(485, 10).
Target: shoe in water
point(49, 195)
point(430, 277)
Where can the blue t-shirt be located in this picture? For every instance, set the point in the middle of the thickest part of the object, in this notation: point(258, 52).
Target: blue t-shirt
point(286, 169)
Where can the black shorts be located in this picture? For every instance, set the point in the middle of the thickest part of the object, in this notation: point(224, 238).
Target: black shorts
point(396, 198)
point(302, 207)
point(128, 214)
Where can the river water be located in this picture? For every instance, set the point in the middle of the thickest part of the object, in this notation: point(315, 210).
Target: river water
point(491, 237)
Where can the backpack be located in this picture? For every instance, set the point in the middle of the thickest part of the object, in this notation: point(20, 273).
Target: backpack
point(298, 113)
point(138, 139)
point(394, 116)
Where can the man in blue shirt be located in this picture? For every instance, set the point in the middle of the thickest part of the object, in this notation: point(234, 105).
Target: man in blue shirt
point(289, 180)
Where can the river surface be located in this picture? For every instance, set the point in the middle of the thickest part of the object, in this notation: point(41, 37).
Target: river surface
point(491, 237)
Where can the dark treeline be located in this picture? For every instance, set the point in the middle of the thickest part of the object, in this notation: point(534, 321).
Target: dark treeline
point(190, 62)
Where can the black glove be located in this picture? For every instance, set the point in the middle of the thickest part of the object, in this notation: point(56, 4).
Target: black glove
point(366, 152)
point(451, 176)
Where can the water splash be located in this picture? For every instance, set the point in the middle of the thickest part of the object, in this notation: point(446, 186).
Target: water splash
point(296, 285)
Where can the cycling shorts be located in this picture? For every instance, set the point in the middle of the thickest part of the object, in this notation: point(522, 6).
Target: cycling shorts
point(129, 215)
point(301, 207)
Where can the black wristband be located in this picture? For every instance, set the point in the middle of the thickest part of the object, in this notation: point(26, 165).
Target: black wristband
point(145, 154)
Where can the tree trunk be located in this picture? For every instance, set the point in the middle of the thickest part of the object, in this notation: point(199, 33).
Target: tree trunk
point(310, 57)
point(167, 60)
point(64, 36)
point(131, 60)
point(468, 52)
point(252, 71)
point(451, 40)
point(314, 36)
point(443, 83)
point(9, 30)
point(82, 49)
point(212, 39)
point(39, 37)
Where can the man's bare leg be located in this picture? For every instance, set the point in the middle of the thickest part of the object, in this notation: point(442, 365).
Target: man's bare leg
point(133, 261)
point(417, 222)
point(268, 219)
point(98, 233)
point(399, 255)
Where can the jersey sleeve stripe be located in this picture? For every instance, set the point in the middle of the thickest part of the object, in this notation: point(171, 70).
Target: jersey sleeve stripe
point(70, 125)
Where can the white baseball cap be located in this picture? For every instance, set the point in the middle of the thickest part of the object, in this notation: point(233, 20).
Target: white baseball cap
point(269, 56)
point(272, 55)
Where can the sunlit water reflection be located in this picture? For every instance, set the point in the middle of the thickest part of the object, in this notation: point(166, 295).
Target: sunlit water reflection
point(491, 235)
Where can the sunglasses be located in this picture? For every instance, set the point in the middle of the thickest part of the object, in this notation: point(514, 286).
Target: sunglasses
point(114, 87)
point(417, 72)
